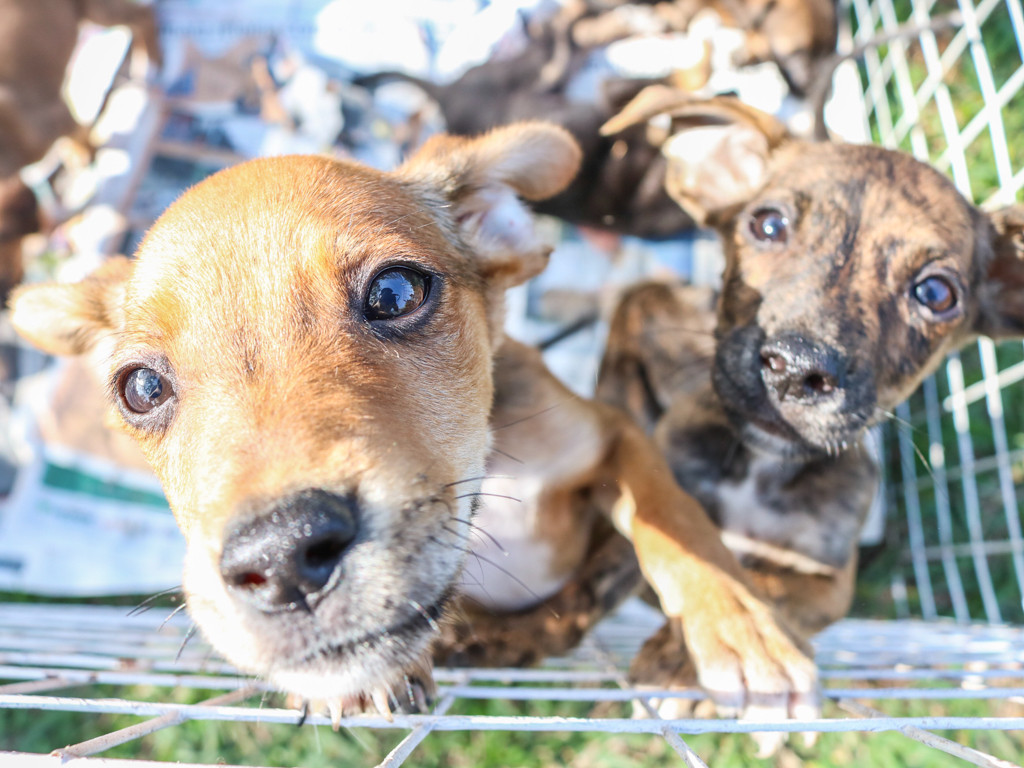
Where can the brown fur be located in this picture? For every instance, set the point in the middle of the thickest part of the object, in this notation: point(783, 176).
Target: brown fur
point(37, 38)
point(19, 216)
point(815, 336)
point(248, 297)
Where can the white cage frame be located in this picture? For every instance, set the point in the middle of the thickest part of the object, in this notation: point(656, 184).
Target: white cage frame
point(952, 654)
point(864, 664)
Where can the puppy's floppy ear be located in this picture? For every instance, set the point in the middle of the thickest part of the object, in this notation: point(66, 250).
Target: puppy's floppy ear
point(1001, 304)
point(71, 318)
point(482, 178)
point(717, 149)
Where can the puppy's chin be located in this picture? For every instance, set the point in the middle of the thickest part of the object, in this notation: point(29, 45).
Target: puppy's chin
point(353, 672)
point(349, 647)
point(785, 441)
point(350, 667)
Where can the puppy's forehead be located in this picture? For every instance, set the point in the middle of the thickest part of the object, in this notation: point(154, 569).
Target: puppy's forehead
point(261, 229)
point(890, 192)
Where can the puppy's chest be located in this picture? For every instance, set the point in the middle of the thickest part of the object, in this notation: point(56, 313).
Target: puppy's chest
point(801, 516)
point(530, 529)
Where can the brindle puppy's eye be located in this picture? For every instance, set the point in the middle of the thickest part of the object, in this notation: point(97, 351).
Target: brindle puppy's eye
point(936, 293)
point(769, 225)
point(143, 389)
point(396, 292)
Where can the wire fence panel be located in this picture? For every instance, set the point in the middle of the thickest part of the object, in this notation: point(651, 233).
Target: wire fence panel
point(112, 661)
point(952, 97)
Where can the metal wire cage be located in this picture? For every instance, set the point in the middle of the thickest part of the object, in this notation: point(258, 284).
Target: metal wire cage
point(953, 451)
point(946, 657)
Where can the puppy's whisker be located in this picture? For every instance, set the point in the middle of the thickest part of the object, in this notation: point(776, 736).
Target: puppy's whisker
point(904, 424)
point(431, 621)
point(188, 636)
point(146, 604)
point(493, 564)
point(485, 493)
point(171, 615)
point(507, 455)
point(481, 532)
point(527, 418)
point(479, 477)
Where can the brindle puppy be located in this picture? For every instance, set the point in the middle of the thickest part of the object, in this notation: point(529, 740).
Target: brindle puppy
point(851, 271)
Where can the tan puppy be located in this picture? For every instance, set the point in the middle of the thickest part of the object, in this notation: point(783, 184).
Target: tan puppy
point(851, 271)
point(305, 350)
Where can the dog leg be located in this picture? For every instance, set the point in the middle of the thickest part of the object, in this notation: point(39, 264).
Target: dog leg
point(746, 660)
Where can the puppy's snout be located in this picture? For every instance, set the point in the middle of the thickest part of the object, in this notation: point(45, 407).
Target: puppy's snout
point(286, 557)
point(796, 368)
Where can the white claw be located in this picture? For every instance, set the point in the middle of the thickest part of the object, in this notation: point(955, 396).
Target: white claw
point(334, 706)
point(768, 742)
point(379, 696)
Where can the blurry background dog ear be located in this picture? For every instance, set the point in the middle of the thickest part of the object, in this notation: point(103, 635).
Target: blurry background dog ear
point(717, 149)
point(483, 178)
point(1002, 310)
point(71, 318)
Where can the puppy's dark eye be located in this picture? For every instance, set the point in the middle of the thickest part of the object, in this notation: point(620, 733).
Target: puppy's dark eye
point(396, 292)
point(937, 293)
point(144, 389)
point(769, 225)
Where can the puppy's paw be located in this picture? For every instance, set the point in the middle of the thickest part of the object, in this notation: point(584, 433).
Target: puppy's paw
point(749, 664)
point(746, 663)
point(663, 663)
point(509, 640)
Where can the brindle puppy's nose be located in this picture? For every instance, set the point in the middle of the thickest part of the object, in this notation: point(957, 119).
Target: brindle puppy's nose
point(286, 557)
point(795, 368)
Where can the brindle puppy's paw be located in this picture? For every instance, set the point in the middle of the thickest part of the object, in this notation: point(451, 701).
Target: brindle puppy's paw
point(521, 639)
point(479, 638)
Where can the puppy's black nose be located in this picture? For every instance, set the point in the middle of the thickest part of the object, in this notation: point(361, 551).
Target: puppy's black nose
point(286, 557)
point(795, 368)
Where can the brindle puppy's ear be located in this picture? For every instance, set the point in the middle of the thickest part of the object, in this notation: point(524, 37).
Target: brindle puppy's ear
point(717, 149)
point(483, 178)
point(1001, 298)
point(72, 318)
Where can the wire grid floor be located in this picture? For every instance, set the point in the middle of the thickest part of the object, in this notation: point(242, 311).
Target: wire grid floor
point(954, 453)
point(866, 665)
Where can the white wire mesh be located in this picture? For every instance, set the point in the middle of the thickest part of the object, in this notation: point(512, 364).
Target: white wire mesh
point(953, 451)
point(866, 666)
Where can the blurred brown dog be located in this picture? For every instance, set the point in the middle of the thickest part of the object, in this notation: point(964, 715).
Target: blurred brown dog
point(850, 272)
point(310, 355)
point(37, 38)
point(19, 216)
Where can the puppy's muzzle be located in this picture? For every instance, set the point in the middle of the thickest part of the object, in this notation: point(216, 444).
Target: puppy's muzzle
point(287, 557)
point(795, 368)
